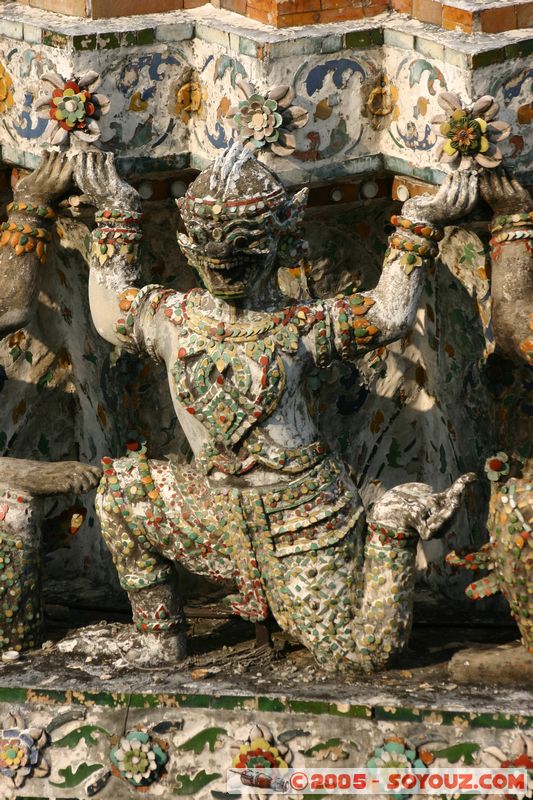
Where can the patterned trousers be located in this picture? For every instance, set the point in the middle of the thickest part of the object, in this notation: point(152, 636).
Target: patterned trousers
point(296, 548)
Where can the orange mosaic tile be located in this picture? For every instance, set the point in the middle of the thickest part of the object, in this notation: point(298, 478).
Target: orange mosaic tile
point(402, 6)
point(493, 18)
point(102, 9)
point(75, 8)
point(340, 14)
point(453, 18)
point(338, 4)
point(297, 6)
point(373, 7)
point(303, 18)
point(263, 11)
point(524, 15)
point(497, 20)
point(238, 6)
point(427, 11)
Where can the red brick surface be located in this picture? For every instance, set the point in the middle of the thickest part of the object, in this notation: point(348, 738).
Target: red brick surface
point(285, 13)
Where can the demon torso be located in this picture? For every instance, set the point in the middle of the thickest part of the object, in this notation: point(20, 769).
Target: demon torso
point(242, 381)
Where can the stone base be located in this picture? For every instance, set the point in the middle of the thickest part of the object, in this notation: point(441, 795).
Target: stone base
point(196, 715)
point(504, 665)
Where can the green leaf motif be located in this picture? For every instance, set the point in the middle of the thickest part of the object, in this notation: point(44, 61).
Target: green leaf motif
point(28, 355)
point(86, 732)
point(75, 778)
point(189, 785)
point(197, 743)
point(464, 750)
point(321, 746)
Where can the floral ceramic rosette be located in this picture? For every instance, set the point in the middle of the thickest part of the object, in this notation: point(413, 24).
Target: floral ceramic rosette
point(21, 751)
point(73, 107)
point(265, 121)
point(470, 132)
point(138, 758)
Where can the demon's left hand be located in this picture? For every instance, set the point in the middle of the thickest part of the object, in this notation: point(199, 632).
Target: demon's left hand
point(416, 508)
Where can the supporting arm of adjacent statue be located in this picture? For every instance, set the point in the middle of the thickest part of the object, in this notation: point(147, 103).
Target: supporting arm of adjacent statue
point(372, 319)
point(24, 239)
point(114, 259)
point(23, 246)
point(512, 264)
point(398, 520)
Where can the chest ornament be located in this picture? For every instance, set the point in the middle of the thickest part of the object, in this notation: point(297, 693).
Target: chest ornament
point(230, 376)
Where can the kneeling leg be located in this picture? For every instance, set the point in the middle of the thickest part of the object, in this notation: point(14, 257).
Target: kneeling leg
point(315, 597)
point(151, 583)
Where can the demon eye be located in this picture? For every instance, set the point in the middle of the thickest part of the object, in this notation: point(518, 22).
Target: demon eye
point(217, 234)
point(240, 242)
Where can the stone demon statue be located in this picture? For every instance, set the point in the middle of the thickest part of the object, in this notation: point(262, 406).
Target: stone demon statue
point(264, 503)
point(24, 483)
point(508, 556)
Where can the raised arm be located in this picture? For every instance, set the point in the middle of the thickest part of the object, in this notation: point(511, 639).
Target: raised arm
point(114, 259)
point(371, 319)
point(512, 264)
point(25, 237)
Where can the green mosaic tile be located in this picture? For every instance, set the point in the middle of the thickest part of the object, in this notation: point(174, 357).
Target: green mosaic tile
point(270, 704)
point(194, 700)
point(12, 695)
point(335, 709)
point(107, 41)
point(128, 38)
point(146, 36)
point(229, 703)
point(502, 721)
point(519, 49)
point(87, 42)
point(261, 704)
point(488, 57)
point(54, 39)
point(360, 39)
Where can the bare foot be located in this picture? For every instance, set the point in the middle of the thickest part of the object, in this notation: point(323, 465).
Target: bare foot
point(48, 477)
point(117, 641)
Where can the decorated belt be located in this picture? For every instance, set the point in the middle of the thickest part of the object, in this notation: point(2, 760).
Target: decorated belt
point(257, 452)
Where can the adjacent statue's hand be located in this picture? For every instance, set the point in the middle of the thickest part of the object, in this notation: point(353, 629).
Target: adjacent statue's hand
point(49, 180)
point(96, 176)
point(456, 198)
point(505, 195)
